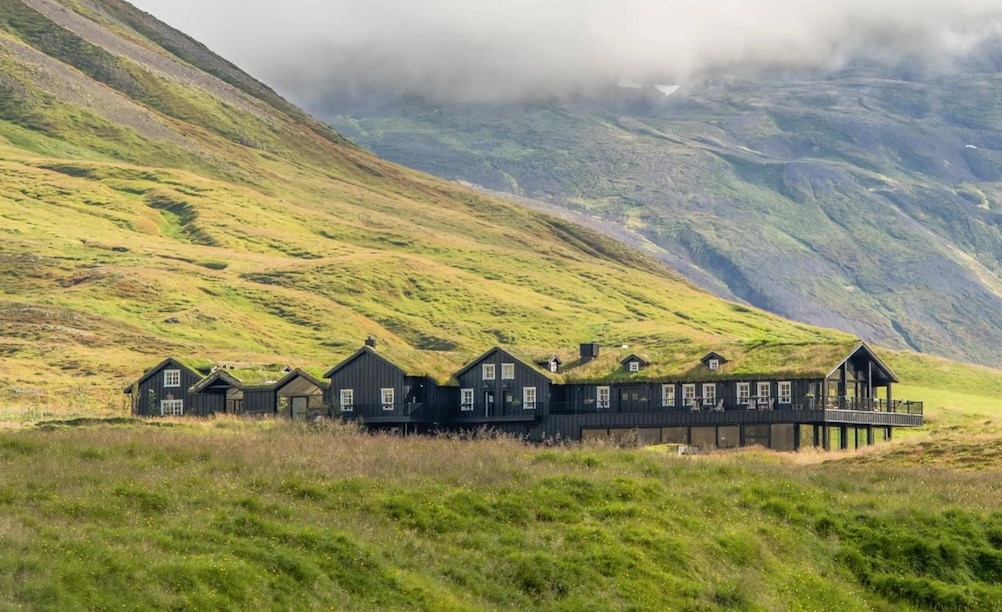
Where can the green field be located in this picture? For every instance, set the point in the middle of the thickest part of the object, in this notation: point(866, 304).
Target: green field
point(228, 514)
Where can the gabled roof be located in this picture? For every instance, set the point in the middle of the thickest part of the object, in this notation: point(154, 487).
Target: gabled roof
point(529, 363)
point(218, 375)
point(551, 359)
point(193, 368)
point(863, 349)
point(299, 373)
point(713, 355)
point(365, 350)
point(635, 357)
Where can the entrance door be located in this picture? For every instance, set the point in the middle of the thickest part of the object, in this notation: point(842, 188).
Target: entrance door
point(300, 408)
point(631, 399)
point(489, 403)
point(509, 401)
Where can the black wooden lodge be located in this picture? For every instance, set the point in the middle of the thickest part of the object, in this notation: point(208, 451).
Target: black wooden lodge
point(722, 400)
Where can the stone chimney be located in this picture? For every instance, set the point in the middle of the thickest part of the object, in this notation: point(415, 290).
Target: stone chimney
point(370, 342)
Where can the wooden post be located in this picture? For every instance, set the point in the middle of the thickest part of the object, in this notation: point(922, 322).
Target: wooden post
point(826, 437)
point(869, 435)
point(869, 383)
point(843, 437)
point(796, 437)
point(889, 429)
point(817, 435)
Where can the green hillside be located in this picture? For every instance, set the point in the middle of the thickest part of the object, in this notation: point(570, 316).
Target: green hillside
point(867, 200)
point(151, 208)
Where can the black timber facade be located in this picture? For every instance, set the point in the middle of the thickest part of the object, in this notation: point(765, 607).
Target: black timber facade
point(163, 390)
point(371, 390)
point(498, 388)
point(711, 407)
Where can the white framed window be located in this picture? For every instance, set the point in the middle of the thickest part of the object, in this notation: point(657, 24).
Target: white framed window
point(785, 393)
point(173, 407)
point(763, 390)
point(554, 365)
point(602, 397)
point(713, 364)
point(709, 394)
point(688, 394)
point(507, 371)
point(634, 366)
point(667, 395)
point(466, 400)
point(387, 398)
point(744, 392)
point(488, 371)
point(347, 400)
point(172, 378)
point(529, 398)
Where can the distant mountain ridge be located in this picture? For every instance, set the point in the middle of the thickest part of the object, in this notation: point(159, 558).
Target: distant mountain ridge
point(869, 200)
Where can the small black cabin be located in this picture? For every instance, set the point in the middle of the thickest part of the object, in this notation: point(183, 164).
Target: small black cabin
point(163, 390)
point(499, 387)
point(369, 388)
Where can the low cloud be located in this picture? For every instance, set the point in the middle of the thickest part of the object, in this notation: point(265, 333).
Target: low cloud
point(498, 50)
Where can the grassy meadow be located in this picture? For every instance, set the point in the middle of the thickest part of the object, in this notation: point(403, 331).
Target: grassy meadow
point(226, 514)
point(148, 209)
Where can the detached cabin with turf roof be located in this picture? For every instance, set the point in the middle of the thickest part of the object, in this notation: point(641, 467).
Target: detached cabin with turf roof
point(244, 389)
point(370, 389)
point(164, 390)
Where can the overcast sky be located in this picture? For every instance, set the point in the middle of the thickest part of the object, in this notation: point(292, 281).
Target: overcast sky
point(490, 48)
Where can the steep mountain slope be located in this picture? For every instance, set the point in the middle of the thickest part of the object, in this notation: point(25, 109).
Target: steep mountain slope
point(868, 200)
point(155, 200)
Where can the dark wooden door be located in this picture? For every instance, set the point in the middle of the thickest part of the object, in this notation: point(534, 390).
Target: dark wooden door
point(509, 401)
point(489, 403)
point(632, 399)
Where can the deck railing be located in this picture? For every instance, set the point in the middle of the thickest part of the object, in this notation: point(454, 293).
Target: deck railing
point(396, 409)
point(842, 403)
point(874, 405)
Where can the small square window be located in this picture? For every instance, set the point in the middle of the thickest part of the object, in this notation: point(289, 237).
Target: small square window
point(602, 397)
point(634, 366)
point(172, 408)
point(554, 366)
point(347, 400)
point(507, 371)
point(529, 398)
point(744, 391)
point(709, 394)
point(466, 400)
point(714, 364)
point(387, 397)
point(488, 371)
point(172, 378)
point(667, 395)
point(688, 394)
point(785, 393)
point(763, 390)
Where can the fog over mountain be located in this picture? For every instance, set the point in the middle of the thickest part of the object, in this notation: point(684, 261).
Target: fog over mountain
point(504, 50)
